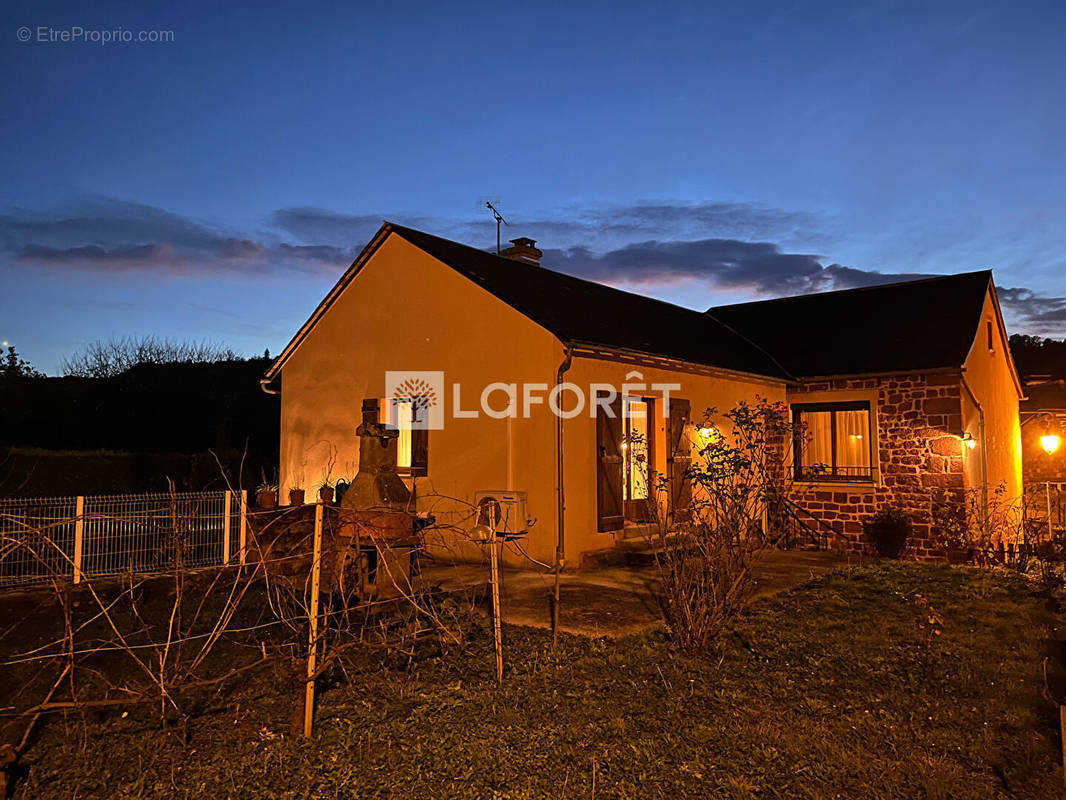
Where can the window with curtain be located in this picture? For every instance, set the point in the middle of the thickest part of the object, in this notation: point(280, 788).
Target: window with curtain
point(837, 441)
point(412, 443)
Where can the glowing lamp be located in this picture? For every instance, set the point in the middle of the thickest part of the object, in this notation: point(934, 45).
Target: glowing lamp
point(968, 440)
point(1050, 442)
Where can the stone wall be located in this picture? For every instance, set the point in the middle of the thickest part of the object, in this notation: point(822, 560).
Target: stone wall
point(919, 422)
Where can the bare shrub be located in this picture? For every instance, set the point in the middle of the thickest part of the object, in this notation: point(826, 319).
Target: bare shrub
point(739, 486)
point(101, 359)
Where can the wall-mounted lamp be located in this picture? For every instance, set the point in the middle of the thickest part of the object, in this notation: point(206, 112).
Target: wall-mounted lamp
point(968, 440)
point(706, 432)
point(1050, 442)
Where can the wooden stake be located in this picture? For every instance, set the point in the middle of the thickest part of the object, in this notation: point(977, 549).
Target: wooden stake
point(1062, 731)
point(312, 644)
point(494, 568)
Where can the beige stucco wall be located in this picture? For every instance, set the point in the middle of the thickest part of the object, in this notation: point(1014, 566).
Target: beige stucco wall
point(407, 311)
point(720, 391)
point(988, 373)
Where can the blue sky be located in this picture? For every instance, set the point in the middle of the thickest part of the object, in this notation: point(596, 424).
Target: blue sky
point(213, 187)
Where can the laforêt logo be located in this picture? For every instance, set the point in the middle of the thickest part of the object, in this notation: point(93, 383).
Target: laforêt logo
point(421, 392)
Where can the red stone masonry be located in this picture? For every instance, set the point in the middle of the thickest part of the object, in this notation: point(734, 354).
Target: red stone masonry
point(919, 422)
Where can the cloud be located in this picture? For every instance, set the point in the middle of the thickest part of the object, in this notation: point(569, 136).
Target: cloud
point(1035, 313)
point(119, 258)
point(108, 235)
point(738, 247)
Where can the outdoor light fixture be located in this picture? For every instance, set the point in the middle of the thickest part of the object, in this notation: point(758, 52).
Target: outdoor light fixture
point(968, 440)
point(1050, 442)
point(707, 432)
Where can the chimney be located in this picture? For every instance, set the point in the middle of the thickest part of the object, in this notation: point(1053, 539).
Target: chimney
point(523, 249)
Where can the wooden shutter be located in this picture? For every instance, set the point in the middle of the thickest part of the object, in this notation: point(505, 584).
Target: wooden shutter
point(609, 467)
point(679, 458)
point(419, 452)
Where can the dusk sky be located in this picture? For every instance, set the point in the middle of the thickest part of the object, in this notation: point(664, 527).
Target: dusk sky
point(215, 186)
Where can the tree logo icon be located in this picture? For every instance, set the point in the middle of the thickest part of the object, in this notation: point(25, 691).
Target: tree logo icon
point(424, 391)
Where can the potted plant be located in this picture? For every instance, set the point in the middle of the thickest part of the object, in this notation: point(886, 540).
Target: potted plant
point(266, 496)
point(296, 496)
point(888, 531)
point(325, 493)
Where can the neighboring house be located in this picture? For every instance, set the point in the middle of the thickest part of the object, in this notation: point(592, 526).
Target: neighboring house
point(895, 366)
point(1044, 414)
point(908, 392)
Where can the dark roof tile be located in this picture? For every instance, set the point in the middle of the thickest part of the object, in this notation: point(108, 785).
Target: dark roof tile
point(583, 312)
point(923, 324)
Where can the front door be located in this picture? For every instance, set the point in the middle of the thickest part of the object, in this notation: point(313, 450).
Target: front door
point(638, 459)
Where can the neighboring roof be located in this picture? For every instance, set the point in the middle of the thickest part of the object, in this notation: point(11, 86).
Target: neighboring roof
point(922, 324)
point(1048, 396)
point(576, 311)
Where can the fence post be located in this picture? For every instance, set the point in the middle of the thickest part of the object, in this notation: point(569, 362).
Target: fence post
point(1050, 530)
point(79, 537)
point(312, 643)
point(225, 527)
point(244, 525)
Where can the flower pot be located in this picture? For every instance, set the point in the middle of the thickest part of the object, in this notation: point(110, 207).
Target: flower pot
point(325, 494)
point(266, 498)
point(296, 497)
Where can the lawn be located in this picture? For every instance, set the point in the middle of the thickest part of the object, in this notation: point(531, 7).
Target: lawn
point(831, 690)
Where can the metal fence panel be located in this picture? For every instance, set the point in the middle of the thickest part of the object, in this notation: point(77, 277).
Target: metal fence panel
point(74, 537)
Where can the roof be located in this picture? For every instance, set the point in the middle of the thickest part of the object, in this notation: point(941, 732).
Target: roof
point(914, 325)
point(1048, 396)
point(576, 311)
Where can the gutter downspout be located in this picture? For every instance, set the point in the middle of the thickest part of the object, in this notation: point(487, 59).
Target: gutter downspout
point(984, 450)
point(560, 547)
point(264, 384)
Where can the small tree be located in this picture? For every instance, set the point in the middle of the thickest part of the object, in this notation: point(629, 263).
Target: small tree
point(739, 489)
point(14, 366)
point(113, 357)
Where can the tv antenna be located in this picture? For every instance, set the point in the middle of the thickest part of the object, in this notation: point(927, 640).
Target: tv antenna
point(499, 219)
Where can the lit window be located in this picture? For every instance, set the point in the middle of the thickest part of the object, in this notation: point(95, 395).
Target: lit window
point(398, 413)
point(836, 444)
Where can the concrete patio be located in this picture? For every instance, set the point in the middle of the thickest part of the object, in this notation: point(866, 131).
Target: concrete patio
point(613, 601)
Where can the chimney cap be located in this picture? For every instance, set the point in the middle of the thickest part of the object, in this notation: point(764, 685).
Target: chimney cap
point(523, 249)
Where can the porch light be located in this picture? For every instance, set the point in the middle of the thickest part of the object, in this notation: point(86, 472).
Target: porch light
point(968, 440)
point(707, 432)
point(1050, 442)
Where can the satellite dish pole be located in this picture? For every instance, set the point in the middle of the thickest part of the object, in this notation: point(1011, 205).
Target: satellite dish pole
point(499, 219)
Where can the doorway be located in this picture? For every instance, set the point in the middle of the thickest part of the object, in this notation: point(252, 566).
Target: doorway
point(638, 459)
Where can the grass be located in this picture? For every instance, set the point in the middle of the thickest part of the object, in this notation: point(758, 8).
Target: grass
point(831, 690)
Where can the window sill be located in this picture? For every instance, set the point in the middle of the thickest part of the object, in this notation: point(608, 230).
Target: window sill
point(861, 487)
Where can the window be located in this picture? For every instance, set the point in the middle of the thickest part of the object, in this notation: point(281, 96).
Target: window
point(988, 331)
point(401, 416)
point(837, 442)
point(412, 444)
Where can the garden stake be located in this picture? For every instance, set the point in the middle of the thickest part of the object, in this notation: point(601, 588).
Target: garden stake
point(494, 570)
point(312, 644)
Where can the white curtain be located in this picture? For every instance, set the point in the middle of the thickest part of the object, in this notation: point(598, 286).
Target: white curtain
point(853, 439)
point(819, 448)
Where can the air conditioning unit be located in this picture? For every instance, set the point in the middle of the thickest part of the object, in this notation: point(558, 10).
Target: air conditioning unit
point(508, 509)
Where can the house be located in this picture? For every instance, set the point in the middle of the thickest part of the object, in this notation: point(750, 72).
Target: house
point(1043, 414)
point(909, 394)
point(491, 343)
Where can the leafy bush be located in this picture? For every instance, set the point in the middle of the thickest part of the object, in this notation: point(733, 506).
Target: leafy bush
point(888, 530)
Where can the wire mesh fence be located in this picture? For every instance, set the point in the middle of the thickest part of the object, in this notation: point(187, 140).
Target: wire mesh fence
point(78, 537)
